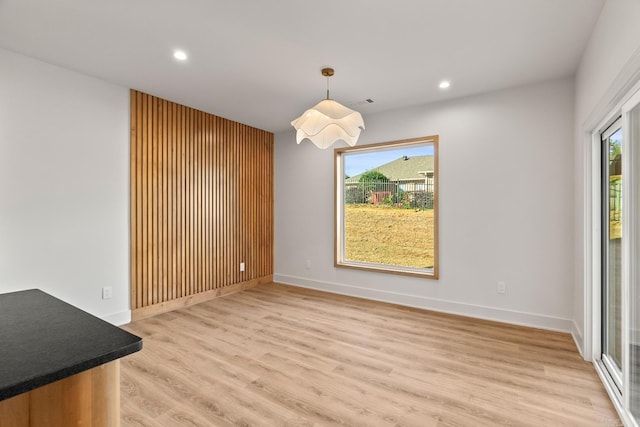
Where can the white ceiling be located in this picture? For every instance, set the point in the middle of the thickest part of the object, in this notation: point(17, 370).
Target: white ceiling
point(258, 62)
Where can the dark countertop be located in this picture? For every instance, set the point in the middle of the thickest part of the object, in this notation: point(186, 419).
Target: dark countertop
point(44, 339)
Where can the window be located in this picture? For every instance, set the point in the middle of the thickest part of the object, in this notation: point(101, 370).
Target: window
point(386, 210)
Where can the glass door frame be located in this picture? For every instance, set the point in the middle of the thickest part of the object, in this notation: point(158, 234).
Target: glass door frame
point(630, 234)
point(630, 248)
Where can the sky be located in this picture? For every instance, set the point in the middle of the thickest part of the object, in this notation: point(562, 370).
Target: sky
point(356, 163)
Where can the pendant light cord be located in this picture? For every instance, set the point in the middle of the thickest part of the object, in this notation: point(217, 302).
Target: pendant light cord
point(327, 72)
point(328, 87)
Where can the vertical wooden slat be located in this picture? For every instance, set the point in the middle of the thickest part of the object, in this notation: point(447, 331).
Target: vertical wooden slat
point(196, 194)
point(160, 201)
point(170, 213)
point(218, 204)
point(175, 197)
point(139, 211)
point(154, 201)
point(199, 195)
point(260, 202)
point(255, 191)
point(195, 235)
point(192, 196)
point(189, 194)
point(201, 201)
point(165, 200)
point(230, 229)
point(254, 202)
point(194, 202)
point(212, 201)
point(133, 159)
point(231, 262)
point(208, 203)
point(176, 201)
point(241, 197)
point(151, 138)
point(140, 202)
point(187, 198)
point(263, 212)
point(234, 190)
point(268, 200)
point(224, 228)
point(183, 203)
point(205, 202)
point(159, 216)
point(146, 207)
point(201, 211)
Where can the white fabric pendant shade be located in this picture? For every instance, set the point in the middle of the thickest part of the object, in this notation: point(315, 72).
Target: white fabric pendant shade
point(328, 122)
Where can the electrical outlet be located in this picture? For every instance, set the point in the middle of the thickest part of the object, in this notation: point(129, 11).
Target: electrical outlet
point(107, 292)
point(307, 264)
point(242, 266)
point(502, 288)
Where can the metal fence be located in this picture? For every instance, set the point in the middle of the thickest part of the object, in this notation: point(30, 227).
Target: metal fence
point(418, 195)
point(615, 197)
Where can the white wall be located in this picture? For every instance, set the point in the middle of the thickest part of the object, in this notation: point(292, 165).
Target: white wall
point(506, 206)
point(605, 66)
point(64, 141)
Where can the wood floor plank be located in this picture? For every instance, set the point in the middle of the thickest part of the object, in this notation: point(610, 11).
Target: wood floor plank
point(280, 355)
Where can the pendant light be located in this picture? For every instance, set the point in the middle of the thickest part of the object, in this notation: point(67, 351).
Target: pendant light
point(328, 122)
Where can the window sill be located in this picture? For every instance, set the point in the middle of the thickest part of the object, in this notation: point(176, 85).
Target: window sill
point(427, 273)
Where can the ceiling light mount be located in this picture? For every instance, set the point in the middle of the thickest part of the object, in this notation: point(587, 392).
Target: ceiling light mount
point(328, 72)
point(328, 122)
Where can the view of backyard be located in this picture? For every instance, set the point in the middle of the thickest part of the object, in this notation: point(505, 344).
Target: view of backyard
point(615, 207)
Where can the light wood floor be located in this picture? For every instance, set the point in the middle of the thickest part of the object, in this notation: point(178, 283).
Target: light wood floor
point(278, 355)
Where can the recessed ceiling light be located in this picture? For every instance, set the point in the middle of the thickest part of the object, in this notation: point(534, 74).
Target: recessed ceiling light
point(180, 55)
point(445, 84)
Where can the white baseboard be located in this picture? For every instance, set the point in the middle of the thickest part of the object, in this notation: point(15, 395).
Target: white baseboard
point(577, 337)
point(118, 319)
point(416, 301)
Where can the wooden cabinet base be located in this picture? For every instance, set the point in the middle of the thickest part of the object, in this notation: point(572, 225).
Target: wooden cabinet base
point(90, 398)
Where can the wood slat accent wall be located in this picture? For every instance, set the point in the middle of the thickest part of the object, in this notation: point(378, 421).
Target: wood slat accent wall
point(201, 203)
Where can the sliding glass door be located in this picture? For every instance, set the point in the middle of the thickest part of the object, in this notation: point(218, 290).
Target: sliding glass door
point(619, 248)
point(612, 223)
point(631, 301)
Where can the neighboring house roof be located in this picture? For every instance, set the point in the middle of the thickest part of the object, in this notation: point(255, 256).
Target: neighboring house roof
point(402, 169)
